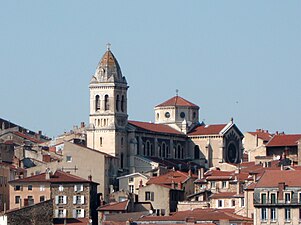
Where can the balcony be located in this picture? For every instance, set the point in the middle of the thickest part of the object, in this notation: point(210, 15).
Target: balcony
point(272, 202)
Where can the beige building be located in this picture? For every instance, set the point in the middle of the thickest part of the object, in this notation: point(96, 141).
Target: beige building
point(73, 197)
point(176, 134)
point(132, 182)
point(255, 143)
point(83, 162)
point(277, 198)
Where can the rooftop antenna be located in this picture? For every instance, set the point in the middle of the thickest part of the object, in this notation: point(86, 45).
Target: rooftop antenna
point(177, 92)
point(108, 46)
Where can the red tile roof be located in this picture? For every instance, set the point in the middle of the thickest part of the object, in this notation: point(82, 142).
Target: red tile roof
point(223, 195)
point(116, 206)
point(158, 128)
point(284, 140)
point(57, 177)
point(262, 134)
point(207, 129)
point(199, 215)
point(177, 101)
point(272, 178)
point(27, 137)
point(169, 178)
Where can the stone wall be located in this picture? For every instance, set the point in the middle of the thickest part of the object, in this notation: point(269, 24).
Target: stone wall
point(37, 214)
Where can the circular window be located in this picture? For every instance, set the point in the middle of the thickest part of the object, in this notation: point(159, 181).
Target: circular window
point(232, 153)
point(167, 114)
point(182, 115)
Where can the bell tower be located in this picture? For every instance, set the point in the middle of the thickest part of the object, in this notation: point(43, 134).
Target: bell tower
point(108, 107)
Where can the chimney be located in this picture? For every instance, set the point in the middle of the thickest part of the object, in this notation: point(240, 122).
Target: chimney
point(201, 173)
point(238, 188)
point(281, 187)
point(254, 177)
point(140, 183)
point(180, 186)
point(82, 124)
point(90, 177)
point(189, 173)
point(173, 186)
point(40, 132)
point(47, 174)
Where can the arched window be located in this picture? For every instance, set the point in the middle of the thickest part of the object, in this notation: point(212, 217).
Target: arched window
point(121, 161)
point(163, 150)
point(122, 141)
point(196, 152)
point(107, 105)
point(159, 151)
point(122, 103)
point(179, 151)
point(97, 103)
point(182, 153)
point(117, 103)
point(147, 148)
point(151, 150)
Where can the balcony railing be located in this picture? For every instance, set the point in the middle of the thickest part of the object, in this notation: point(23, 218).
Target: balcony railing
point(271, 202)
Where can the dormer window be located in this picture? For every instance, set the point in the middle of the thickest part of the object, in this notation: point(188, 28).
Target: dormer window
point(263, 198)
point(287, 197)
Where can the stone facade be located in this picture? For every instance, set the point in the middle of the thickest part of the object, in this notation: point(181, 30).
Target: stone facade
point(37, 214)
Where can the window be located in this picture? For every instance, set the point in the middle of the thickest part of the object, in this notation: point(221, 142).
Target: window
point(273, 198)
point(68, 158)
point(78, 213)
point(149, 196)
point(122, 103)
point(263, 198)
point(299, 214)
point(42, 198)
point(131, 188)
point(263, 215)
point(224, 184)
point(78, 199)
point(97, 103)
point(30, 200)
point(287, 197)
point(42, 187)
point(78, 187)
point(61, 187)
point(242, 202)
point(233, 203)
point(299, 195)
point(107, 106)
point(117, 103)
point(100, 141)
point(213, 184)
point(273, 214)
point(167, 114)
point(62, 213)
point(131, 179)
point(18, 188)
point(61, 199)
point(287, 214)
point(17, 199)
point(182, 115)
point(220, 203)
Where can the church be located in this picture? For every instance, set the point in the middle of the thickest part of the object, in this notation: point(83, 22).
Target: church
point(177, 139)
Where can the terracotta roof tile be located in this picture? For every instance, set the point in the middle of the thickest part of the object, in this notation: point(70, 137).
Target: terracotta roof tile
point(72, 221)
point(169, 178)
point(116, 206)
point(207, 129)
point(158, 128)
point(27, 137)
point(272, 178)
point(264, 135)
point(284, 140)
point(199, 215)
point(223, 195)
point(57, 177)
point(177, 101)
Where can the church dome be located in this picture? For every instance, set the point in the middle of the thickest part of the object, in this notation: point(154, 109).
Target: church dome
point(108, 69)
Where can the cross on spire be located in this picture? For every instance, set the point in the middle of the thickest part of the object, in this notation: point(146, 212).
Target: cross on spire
point(108, 46)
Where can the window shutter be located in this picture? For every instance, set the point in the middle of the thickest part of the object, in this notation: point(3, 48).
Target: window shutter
point(74, 199)
point(56, 200)
point(74, 213)
point(82, 199)
point(81, 187)
point(64, 213)
point(64, 199)
point(82, 213)
point(75, 187)
point(56, 213)
point(152, 196)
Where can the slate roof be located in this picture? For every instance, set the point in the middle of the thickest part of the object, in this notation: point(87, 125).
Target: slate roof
point(177, 101)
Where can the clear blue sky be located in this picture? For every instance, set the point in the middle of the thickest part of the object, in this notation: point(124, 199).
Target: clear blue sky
point(238, 59)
